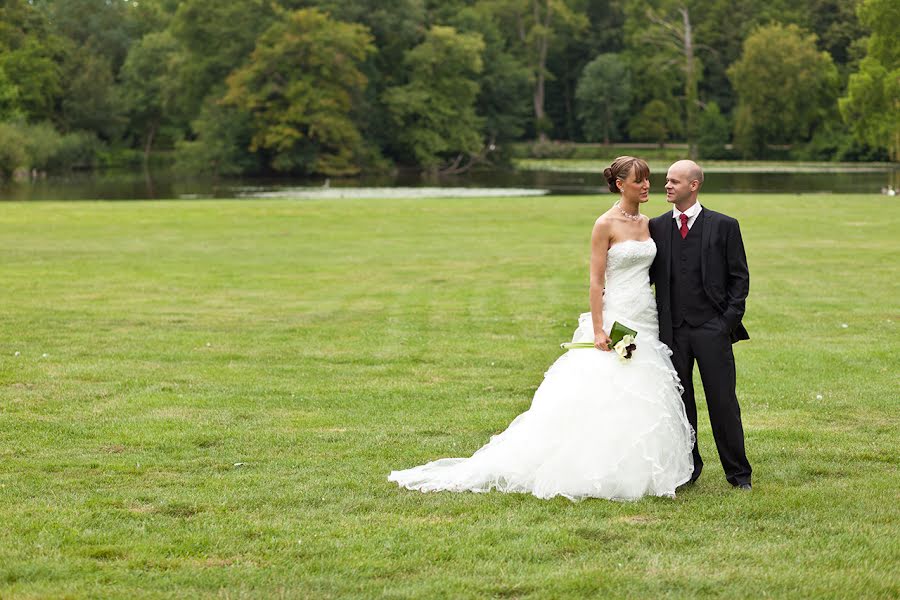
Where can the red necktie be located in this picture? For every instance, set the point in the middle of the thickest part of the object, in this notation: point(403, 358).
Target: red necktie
point(684, 227)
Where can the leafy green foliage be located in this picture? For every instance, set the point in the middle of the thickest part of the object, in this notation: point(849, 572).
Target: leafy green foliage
point(299, 86)
point(504, 82)
point(215, 37)
point(67, 62)
point(872, 104)
point(435, 112)
point(148, 91)
point(30, 56)
point(12, 149)
point(536, 28)
point(604, 97)
point(96, 27)
point(657, 122)
point(785, 87)
point(714, 131)
point(224, 136)
point(90, 101)
point(39, 146)
point(9, 98)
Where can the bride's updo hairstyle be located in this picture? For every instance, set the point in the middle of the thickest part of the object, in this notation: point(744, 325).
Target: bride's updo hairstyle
point(621, 168)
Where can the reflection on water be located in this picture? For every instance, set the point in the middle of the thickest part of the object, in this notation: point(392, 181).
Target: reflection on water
point(136, 186)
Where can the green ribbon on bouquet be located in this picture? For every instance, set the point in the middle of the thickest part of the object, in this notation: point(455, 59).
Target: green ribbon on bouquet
point(621, 340)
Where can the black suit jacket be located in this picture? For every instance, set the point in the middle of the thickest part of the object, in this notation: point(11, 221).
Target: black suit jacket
point(723, 267)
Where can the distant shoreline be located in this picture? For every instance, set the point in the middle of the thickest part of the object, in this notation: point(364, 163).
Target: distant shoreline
point(577, 165)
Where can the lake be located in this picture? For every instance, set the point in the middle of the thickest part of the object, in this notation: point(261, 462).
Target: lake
point(119, 185)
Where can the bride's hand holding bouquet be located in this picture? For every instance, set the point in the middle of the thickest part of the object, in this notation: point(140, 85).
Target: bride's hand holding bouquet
point(602, 341)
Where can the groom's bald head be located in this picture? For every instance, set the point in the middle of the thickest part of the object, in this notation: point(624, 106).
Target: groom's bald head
point(683, 183)
point(689, 170)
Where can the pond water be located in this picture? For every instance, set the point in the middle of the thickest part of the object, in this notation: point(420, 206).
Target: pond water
point(138, 186)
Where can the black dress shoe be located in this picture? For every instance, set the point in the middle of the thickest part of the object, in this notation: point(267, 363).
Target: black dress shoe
point(744, 486)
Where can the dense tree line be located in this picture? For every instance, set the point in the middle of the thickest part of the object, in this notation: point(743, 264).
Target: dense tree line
point(336, 86)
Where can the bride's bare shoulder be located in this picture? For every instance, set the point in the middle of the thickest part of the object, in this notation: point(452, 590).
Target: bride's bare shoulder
point(605, 220)
point(603, 230)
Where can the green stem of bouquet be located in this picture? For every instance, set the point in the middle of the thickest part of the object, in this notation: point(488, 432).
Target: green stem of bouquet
point(575, 345)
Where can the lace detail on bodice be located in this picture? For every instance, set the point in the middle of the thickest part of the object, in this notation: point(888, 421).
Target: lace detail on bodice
point(627, 297)
point(628, 266)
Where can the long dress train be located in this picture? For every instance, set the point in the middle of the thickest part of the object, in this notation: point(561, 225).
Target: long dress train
point(598, 426)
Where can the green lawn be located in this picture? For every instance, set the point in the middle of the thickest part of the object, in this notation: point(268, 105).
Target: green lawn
point(204, 399)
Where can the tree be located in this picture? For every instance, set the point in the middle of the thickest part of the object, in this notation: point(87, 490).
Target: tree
point(30, 55)
point(89, 102)
point(664, 35)
point(12, 149)
point(299, 86)
point(9, 98)
point(215, 37)
point(721, 26)
point(713, 132)
point(785, 88)
point(872, 104)
point(504, 83)
point(211, 39)
point(538, 24)
point(656, 122)
point(147, 89)
point(222, 144)
point(395, 27)
point(435, 111)
point(836, 24)
point(96, 27)
point(604, 96)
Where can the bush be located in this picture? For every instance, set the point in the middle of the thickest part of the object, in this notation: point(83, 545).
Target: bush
point(12, 149)
point(221, 146)
point(657, 122)
point(39, 146)
point(550, 149)
point(713, 133)
point(562, 150)
point(77, 150)
point(42, 143)
point(832, 142)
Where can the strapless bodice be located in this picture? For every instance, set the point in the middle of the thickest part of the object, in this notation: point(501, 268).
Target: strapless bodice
point(627, 297)
point(628, 266)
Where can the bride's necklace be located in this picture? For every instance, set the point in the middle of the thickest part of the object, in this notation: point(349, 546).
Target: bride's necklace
point(636, 217)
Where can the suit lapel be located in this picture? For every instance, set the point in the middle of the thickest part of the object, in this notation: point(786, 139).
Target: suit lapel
point(667, 245)
point(704, 242)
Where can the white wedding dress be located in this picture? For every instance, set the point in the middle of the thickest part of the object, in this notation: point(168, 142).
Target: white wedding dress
point(599, 426)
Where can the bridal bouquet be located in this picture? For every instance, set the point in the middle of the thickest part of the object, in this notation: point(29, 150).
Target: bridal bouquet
point(621, 340)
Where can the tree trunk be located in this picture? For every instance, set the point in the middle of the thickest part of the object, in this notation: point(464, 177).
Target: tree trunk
point(540, 117)
point(609, 123)
point(690, 86)
point(148, 146)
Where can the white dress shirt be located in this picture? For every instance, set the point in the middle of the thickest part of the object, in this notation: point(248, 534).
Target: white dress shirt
point(691, 213)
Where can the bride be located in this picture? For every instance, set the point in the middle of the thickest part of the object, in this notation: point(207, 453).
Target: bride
point(599, 425)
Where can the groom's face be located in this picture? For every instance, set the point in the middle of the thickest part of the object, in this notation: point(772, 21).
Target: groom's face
point(679, 187)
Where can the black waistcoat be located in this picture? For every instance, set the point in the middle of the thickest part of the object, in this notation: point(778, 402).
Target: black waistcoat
point(689, 300)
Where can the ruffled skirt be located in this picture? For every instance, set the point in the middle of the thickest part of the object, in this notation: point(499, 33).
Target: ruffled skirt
point(599, 426)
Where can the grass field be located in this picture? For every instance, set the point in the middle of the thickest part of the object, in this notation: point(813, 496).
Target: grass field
point(203, 399)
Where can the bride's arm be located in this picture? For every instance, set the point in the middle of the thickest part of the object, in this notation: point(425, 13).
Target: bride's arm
point(600, 238)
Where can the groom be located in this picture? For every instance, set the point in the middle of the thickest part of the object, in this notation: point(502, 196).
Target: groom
point(701, 277)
